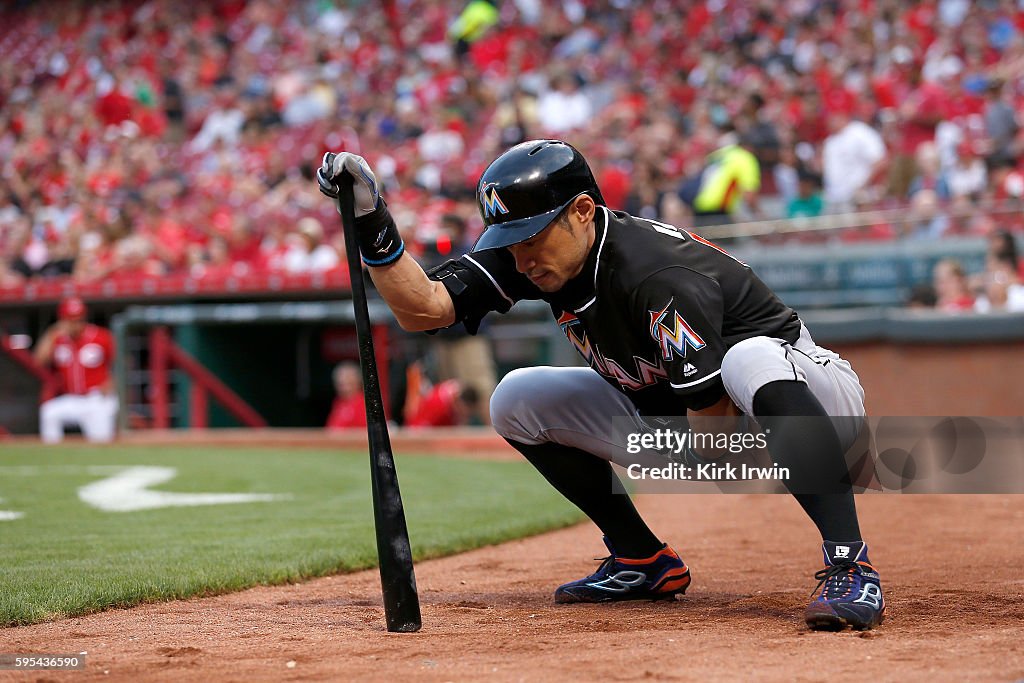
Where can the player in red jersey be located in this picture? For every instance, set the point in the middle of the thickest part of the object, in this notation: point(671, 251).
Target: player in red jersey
point(83, 354)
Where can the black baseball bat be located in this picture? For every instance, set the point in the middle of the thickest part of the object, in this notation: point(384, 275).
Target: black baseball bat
point(397, 580)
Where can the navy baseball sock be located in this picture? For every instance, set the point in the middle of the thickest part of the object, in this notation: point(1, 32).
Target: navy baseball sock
point(589, 482)
point(820, 479)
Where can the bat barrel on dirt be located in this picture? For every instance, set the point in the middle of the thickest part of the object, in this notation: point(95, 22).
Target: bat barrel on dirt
point(398, 582)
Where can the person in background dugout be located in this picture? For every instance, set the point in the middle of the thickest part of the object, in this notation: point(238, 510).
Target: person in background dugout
point(456, 354)
point(83, 354)
point(447, 404)
point(349, 409)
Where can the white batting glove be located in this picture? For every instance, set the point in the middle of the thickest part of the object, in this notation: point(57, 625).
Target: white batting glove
point(364, 187)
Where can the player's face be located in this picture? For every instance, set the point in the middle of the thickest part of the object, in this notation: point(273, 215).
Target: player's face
point(74, 327)
point(557, 253)
point(347, 381)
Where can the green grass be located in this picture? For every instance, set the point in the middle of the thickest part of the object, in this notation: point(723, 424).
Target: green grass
point(65, 558)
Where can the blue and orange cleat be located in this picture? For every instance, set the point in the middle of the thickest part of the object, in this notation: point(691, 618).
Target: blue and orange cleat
point(851, 592)
point(658, 577)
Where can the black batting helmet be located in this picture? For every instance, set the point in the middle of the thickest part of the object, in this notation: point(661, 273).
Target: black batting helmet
point(526, 188)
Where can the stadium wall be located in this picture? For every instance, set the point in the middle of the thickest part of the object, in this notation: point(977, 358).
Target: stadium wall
point(931, 379)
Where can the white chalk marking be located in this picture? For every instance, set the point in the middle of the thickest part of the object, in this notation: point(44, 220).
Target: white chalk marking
point(128, 491)
point(9, 515)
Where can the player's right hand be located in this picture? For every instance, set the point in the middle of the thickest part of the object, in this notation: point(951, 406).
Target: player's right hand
point(364, 183)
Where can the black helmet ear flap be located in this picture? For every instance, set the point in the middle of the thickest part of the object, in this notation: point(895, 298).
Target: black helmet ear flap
point(525, 188)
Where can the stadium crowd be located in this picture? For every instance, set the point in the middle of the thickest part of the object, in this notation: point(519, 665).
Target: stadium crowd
point(143, 138)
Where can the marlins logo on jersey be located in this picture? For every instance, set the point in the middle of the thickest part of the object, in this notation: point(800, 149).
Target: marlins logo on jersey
point(675, 338)
point(491, 201)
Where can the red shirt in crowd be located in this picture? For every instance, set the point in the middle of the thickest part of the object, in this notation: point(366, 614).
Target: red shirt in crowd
point(114, 107)
point(347, 412)
point(437, 409)
point(928, 103)
point(964, 302)
point(84, 362)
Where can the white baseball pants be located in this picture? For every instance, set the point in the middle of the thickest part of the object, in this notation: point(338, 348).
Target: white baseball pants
point(94, 413)
point(574, 406)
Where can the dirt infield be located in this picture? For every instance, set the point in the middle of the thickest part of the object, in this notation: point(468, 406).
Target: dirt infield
point(951, 568)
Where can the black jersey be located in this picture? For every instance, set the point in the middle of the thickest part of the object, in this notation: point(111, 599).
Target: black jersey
point(653, 311)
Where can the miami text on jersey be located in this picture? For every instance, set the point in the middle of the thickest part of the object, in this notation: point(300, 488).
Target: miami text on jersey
point(646, 373)
point(675, 338)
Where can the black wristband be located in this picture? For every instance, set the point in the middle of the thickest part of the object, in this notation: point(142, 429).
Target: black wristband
point(378, 238)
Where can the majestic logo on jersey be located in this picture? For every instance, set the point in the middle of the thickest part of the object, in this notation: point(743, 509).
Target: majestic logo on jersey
point(675, 338)
point(491, 201)
point(646, 373)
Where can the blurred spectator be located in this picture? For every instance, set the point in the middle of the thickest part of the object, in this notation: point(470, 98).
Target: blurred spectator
point(731, 176)
point(223, 124)
point(1001, 287)
point(453, 352)
point(787, 174)
point(951, 289)
point(216, 262)
point(441, 142)
point(760, 132)
point(517, 118)
point(316, 101)
point(1007, 182)
point(926, 221)
point(1002, 245)
point(1001, 124)
point(173, 102)
point(852, 157)
point(83, 354)
point(808, 202)
point(307, 252)
point(967, 177)
point(447, 404)
point(472, 23)
point(929, 173)
point(134, 259)
point(8, 277)
point(922, 296)
point(563, 107)
point(349, 408)
point(918, 114)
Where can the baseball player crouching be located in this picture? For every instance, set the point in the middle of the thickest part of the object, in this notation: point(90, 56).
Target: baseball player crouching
point(670, 325)
point(83, 355)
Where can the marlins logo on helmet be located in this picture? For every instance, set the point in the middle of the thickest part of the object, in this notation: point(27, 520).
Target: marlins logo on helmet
point(491, 201)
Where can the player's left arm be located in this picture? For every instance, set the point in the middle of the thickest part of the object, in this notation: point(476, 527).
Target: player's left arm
point(43, 353)
point(681, 311)
point(684, 310)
